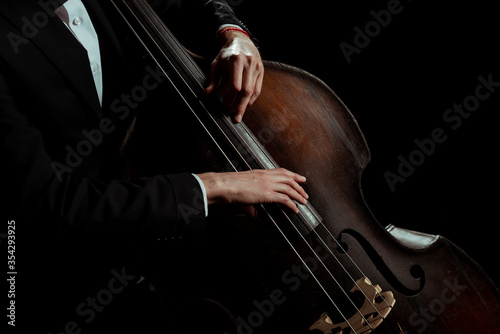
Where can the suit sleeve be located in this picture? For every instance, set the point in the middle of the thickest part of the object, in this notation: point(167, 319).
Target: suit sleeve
point(212, 12)
point(195, 22)
point(160, 206)
point(221, 13)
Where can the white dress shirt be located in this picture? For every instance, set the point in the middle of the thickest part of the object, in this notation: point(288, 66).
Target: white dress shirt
point(74, 14)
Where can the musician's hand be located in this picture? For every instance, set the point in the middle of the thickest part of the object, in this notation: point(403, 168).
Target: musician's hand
point(238, 72)
point(255, 187)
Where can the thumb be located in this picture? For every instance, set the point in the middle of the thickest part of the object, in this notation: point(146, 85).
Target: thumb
point(250, 210)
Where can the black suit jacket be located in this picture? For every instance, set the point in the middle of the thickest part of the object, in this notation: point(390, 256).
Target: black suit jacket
point(60, 165)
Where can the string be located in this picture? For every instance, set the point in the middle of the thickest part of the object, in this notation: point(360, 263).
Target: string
point(290, 221)
point(310, 270)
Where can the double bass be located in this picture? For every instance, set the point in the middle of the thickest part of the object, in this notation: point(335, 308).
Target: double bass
point(331, 268)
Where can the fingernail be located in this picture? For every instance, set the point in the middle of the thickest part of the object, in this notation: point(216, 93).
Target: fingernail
point(238, 118)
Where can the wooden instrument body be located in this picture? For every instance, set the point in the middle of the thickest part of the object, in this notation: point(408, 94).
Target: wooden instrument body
point(437, 287)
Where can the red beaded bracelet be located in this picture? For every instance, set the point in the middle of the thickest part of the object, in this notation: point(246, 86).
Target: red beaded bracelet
point(233, 29)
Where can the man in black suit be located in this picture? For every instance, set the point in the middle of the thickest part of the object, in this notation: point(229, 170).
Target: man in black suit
point(67, 76)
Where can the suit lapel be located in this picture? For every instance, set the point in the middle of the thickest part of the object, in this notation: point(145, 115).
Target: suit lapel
point(45, 30)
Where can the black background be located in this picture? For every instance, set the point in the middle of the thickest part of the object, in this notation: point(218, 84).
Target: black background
point(427, 58)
